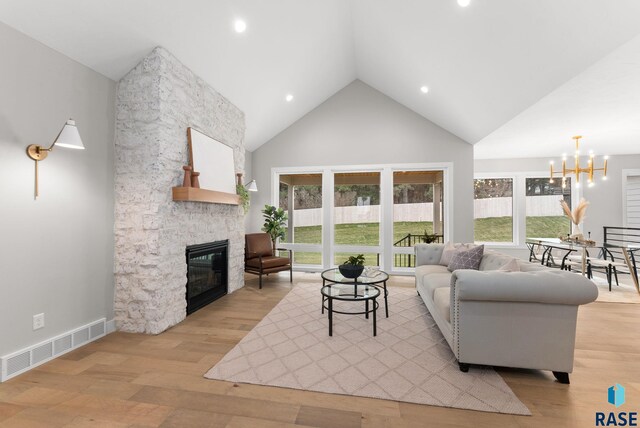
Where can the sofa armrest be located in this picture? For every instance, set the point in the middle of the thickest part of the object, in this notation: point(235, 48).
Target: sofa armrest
point(551, 287)
point(428, 254)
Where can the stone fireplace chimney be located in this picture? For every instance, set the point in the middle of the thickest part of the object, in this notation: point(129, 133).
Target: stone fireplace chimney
point(155, 103)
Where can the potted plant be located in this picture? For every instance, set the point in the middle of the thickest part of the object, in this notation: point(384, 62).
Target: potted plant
point(244, 197)
point(352, 267)
point(429, 238)
point(275, 220)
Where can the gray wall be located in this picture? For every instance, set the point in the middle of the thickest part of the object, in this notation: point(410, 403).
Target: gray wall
point(360, 125)
point(56, 253)
point(248, 176)
point(605, 208)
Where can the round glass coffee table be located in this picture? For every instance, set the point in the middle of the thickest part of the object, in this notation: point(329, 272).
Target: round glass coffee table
point(350, 293)
point(378, 279)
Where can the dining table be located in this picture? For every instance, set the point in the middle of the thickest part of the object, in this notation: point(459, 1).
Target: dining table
point(570, 245)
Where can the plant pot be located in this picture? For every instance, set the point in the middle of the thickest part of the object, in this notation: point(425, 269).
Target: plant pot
point(351, 271)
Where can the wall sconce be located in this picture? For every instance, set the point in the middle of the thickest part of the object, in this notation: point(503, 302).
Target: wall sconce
point(251, 186)
point(68, 137)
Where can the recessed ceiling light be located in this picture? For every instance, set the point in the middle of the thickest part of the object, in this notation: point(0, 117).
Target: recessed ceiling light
point(424, 89)
point(464, 3)
point(289, 98)
point(240, 26)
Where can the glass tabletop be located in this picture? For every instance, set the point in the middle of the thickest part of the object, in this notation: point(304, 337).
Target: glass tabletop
point(350, 291)
point(369, 276)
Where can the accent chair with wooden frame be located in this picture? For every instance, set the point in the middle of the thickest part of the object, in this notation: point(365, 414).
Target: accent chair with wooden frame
point(259, 257)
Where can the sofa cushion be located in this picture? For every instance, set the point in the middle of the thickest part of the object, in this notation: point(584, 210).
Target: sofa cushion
point(450, 249)
point(467, 259)
point(442, 302)
point(492, 260)
point(423, 270)
point(511, 266)
point(431, 282)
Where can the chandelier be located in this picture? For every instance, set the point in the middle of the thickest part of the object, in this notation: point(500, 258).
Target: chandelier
point(577, 169)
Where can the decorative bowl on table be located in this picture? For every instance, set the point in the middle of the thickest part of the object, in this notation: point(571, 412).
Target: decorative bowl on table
point(351, 271)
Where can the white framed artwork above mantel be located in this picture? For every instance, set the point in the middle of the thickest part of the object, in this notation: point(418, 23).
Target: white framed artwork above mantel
point(214, 162)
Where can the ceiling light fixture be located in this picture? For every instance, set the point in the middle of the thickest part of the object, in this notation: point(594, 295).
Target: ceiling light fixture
point(289, 98)
point(240, 26)
point(424, 89)
point(577, 169)
point(463, 3)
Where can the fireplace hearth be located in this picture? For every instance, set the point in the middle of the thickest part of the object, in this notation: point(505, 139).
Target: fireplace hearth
point(207, 266)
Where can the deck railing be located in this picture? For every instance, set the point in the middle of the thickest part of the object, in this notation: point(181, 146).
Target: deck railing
point(410, 240)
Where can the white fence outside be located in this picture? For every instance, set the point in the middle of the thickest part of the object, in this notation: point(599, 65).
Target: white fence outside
point(548, 205)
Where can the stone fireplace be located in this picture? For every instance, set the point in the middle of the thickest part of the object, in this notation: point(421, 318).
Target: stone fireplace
point(155, 103)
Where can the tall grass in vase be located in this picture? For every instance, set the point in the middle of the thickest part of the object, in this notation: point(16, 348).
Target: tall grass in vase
point(577, 217)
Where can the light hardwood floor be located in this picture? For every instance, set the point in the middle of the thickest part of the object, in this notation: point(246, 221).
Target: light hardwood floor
point(134, 380)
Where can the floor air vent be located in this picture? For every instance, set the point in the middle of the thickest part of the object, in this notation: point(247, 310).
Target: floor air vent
point(41, 353)
point(62, 344)
point(19, 362)
point(97, 330)
point(81, 336)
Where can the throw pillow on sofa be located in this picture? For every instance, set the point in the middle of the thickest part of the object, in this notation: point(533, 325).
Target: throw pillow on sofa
point(469, 259)
point(450, 249)
point(511, 266)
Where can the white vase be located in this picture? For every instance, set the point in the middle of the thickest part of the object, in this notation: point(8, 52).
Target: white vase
point(576, 232)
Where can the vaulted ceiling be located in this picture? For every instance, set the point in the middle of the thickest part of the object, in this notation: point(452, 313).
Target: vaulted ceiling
point(484, 65)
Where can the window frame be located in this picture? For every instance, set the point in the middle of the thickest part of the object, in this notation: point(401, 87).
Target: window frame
point(519, 204)
point(385, 249)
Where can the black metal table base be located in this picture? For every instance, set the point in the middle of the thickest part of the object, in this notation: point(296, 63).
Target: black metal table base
point(366, 312)
point(382, 287)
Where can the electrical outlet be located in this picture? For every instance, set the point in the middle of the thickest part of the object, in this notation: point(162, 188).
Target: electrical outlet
point(38, 321)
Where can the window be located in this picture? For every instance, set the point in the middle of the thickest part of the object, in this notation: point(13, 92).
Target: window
point(339, 211)
point(301, 196)
point(544, 216)
point(493, 210)
point(356, 210)
point(417, 210)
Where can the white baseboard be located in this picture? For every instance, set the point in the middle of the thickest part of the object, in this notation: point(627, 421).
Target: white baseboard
point(12, 365)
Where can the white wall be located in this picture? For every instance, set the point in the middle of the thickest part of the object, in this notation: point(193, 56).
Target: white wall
point(605, 208)
point(360, 125)
point(56, 253)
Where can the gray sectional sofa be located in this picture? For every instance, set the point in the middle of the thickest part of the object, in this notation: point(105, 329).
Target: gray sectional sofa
point(524, 319)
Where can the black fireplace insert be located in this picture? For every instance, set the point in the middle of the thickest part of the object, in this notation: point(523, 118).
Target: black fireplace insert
point(206, 273)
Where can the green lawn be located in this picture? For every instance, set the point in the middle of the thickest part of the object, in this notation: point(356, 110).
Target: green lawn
point(500, 229)
point(495, 229)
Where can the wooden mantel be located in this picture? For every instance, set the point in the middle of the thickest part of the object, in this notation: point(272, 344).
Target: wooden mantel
point(193, 194)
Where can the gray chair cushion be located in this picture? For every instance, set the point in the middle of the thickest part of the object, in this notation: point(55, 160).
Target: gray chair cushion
point(467, 259)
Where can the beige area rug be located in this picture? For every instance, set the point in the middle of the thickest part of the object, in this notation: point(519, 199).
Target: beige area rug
point(623, 293)
point(409, 360)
